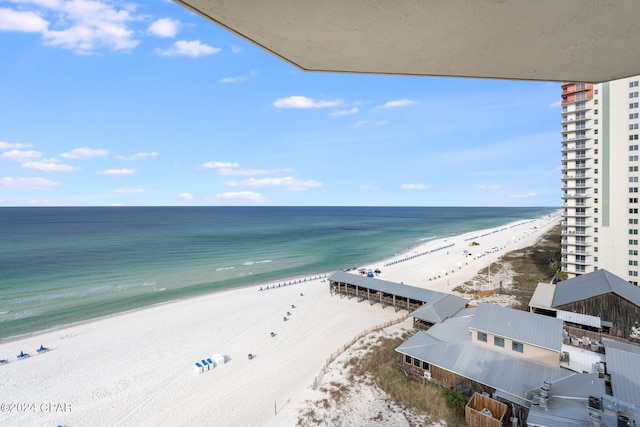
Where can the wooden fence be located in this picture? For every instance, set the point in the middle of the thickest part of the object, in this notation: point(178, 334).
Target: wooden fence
point(334, 355)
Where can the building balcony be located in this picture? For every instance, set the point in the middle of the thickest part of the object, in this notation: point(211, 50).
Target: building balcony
point(575, 223)
point(569, 204)
point(575, 195)
point(576, 185)
point(574, 262)
point(576, 233)
point(568, 251)
point(573, 147)
point(574, 269)
point(573, 166)
point(576, 176)
point(573, 214)
point(565, 241)
point(569, 118)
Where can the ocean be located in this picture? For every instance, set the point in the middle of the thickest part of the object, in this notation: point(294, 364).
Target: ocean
point(64, 265)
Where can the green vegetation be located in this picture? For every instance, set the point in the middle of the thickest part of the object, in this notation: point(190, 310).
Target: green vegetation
point(437, 402)
point(530, 266)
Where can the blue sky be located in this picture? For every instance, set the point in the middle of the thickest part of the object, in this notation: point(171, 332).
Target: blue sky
point(119, 103)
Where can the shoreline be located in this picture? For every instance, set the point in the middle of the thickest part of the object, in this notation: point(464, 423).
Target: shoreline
point(136, 368)
point(419, 243)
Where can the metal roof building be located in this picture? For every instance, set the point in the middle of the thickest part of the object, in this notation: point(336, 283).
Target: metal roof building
point(433, 306)
point(624, 368)
point(448, 346)
point(441, 309)
point(529, 328)
point(590, 285)
point(568, 403)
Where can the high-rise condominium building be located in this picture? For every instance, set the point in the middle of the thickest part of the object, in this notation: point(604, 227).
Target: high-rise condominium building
point(600, 178)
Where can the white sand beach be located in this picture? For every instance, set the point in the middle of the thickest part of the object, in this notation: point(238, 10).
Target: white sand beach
point(137, 368)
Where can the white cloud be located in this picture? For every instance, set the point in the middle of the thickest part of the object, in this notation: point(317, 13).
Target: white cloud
point(192, 48)
point(8, 145)
point(247, 172)
point(138, 156)
point(219, 165)
point(249, 196)
point(24, 21)
point(354, 110)
point(48, 166)
point(9, 183)
point(184, 196)
point(20, 155)
point(129, 190)
point(556, 104)
point(164, 27)
point(85, 153)
point(522, 195)
point(79, 25)
point(232, 168)
point(398, 103)
point(290, 183)
point(123, 171)
point(414, 186)
point(239, 79)
point(231, 183)
point(304, 102)
point(367, 123)
point(236, 49)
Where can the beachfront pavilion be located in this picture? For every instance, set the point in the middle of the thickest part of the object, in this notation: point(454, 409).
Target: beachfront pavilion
point(545, 40)
point(427, 307)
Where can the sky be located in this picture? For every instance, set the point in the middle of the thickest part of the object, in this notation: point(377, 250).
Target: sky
point(110, 103)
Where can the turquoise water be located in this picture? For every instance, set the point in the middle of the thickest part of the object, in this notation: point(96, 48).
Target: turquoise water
point(63, 265)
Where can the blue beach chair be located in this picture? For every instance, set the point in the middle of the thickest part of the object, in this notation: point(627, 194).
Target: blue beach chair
point(22, 355)
point(198, 368)
point(42, 349)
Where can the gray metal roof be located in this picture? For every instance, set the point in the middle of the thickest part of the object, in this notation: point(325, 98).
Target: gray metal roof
point(580, 319)
point(565, 413)
point(522, 326)
point(579, 387)
point(543, 296)
point(466, 312)
point(623, 366)
point(398, 289)
point(453, 330)
point(512, 375)
point(619, 345)
point(594, 284)
point(437, 311)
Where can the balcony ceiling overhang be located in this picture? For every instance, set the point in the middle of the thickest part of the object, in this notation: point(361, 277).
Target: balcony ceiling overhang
point(552, 40)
